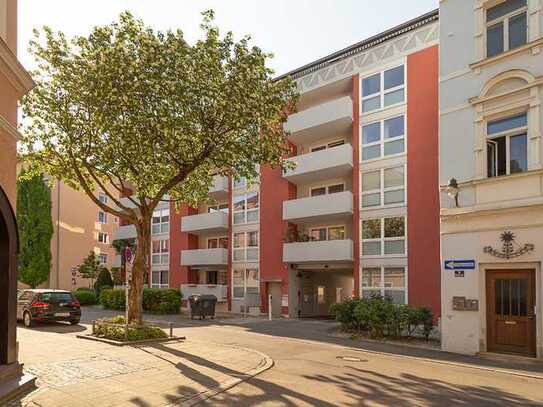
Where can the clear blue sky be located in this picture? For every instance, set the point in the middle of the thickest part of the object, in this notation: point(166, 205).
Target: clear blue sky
point(296, 31)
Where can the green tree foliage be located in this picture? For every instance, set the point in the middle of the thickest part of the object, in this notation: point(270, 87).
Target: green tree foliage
point(35, 230)
point(130, 107)
point(103, 280)
point(90, 268)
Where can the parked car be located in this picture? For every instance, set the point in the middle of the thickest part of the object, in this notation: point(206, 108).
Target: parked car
point(47, 305)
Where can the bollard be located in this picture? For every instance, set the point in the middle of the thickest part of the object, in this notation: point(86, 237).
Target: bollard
point(171, 329)
point(93, 326)
point(269, 307)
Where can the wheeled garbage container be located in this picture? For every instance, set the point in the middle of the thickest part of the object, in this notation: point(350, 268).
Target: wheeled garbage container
point(202, 305)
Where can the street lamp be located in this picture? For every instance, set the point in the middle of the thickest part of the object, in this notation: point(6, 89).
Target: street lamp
point(452, 190)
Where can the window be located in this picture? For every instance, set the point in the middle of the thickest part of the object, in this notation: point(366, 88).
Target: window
point(506, 26)
point(217, 242)
point(161, 222)
point(217, 208)
point(102, 197)
point(327, 233)
point(383, 237)
point(102, 237)
point(329, 145)
point(246, 208)
point(383, 187)
point(240, 183)
point(102, 217)
point(383, 89)
point(321, 294)
point(161, 249)
point(102, 258)
point(383, 138)
point(245, 246)
point(330, 189)
point(245, 281)
point(507, 145)
point(388, 282)
point(160, 279)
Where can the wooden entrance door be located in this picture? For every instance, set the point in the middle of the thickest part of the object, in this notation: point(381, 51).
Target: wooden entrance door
point(510, 301)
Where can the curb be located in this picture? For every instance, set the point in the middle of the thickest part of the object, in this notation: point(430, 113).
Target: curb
point(266, 363)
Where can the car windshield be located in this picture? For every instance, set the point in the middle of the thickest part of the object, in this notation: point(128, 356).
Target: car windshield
point(56, 297)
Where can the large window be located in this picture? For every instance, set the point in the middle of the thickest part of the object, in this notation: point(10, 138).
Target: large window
point(217, 242)
point(507, 145)
point(245, 246)
point(161, 222)
point(329, 145)
point(159, 279)
point(102, 197)
point(383, 138)
point(102, 217)
point(245, 281)
point(161, 252)
point(506, 26)
point(330, 189)
point(246, 208)
point(383, 187)
point(383, 89)
point(383, 237)
point(327, 233)
point(103, 238)
point(388, 282)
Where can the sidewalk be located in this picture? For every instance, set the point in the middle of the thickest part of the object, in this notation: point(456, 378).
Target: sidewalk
point(76, 372)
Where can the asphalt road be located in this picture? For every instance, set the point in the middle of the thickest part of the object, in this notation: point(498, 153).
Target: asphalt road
point(314, 369)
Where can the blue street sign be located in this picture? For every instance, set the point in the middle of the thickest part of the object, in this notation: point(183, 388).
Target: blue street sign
point(459, 264)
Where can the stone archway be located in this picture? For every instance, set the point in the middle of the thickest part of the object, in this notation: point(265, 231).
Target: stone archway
point(9, 246)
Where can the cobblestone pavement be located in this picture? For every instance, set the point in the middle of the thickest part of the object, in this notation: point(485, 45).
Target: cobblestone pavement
point(76, 372)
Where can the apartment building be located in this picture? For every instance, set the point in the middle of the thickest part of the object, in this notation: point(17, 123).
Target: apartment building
point(15, 82)
point(359, 213)
point(491, 176)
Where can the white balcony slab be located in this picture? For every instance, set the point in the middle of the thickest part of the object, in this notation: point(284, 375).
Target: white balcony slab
point(334, 117)
point(219, 291)
point(331, 206)
point(219, 189)
point(205, 223)
point(204, 257)
point(126, 232)
point(321, 165)
point(318, 251)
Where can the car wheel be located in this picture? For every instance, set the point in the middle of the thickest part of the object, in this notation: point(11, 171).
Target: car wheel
point(27, 319)
point(74, 322)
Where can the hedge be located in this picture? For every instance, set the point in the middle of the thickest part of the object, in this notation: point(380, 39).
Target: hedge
point(85, 297)
point(380, 317)
point(155, 300)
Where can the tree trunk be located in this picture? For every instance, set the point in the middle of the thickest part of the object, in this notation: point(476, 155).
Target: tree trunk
point(139, 268)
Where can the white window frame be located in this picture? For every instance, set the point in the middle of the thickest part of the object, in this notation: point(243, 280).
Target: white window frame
point(245, 272)
point(517, 131)
point(163, 254)
point(245, 210)
point(327, 228)
point(105, 240)
point(102, 197)
point(244, 248)
point(382, 190)
point(382, 239)
point(382, 287)
point(382, 92)
point(102, 258)
point(326, 189)
point(505, 21)
point(164, 227)
point(381, 142)
point(104, 220)
point(160, 285)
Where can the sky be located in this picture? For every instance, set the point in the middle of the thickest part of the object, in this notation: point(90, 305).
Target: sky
point(297, 32)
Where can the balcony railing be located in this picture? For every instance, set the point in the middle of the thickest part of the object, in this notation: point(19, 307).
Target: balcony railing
point(204, 257)
point(205, 223)
point(219, 291)
point(318, 251)
point(331, 206)
point(126, 232)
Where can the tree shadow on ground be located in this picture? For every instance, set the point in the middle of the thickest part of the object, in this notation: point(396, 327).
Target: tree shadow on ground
point(55, 327)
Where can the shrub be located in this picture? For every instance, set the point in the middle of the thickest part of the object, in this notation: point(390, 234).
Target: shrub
point(103, 280)
point(344, 313)
point(84, 289)
point(105, 329)
point(85, 297)
point(155, 300)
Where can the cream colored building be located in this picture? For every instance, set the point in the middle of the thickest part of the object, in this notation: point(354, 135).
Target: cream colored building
point(491, 88)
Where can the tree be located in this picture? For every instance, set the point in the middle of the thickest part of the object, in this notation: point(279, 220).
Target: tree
point(90, 268)
point(35, 230)
point(131, 108)
point(103, 280)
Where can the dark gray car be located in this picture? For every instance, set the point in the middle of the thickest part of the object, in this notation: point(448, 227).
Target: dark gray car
point(41, 305)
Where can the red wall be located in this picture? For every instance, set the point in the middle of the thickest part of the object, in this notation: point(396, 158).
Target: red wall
point(422, 179)
point(356, 185)
point(180, 241)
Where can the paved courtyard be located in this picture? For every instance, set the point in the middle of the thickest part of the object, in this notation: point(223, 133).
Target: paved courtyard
point(311, 368)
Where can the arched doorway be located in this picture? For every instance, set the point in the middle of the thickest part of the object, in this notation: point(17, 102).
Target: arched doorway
point(9, 246)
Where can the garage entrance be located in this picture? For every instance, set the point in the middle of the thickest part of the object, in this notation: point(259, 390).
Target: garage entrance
point(320, 289)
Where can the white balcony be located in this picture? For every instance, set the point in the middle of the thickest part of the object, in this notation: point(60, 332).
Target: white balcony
point(219, 291)
point(219, 188)
point(126, 232)
point(335, 117)
point(204, 257)
point(321, 165)
point(205, 223)
point(331, 206)
point(318, 251)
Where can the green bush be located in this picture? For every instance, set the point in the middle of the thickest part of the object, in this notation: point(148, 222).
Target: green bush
point(155, 300)
point(104, 329)
point(103, 280)
point(84, 289)
point(85, 297)
point(344, 313)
